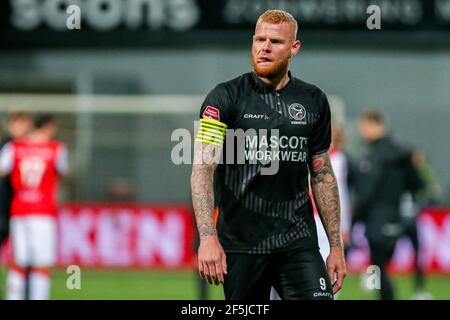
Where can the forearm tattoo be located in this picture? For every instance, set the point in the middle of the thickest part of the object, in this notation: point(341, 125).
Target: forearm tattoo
point(203, 194)
point(326, 196)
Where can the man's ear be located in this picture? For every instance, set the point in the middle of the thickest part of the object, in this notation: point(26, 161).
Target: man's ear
point(296, 47)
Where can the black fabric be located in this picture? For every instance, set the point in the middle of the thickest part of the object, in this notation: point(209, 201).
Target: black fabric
point(260, 214)
point(6, 194)
point(379, 180)
point(410, 231)
point(296, 275)
point(321, 135)
point(381, 252)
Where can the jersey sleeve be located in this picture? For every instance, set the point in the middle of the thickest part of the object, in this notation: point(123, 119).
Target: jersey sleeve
point(6, 158)
point(62, 160)
point(320, 139)
point(215, 117)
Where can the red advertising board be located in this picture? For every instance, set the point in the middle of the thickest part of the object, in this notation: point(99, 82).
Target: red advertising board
point(144, 236)
point(433, 226)
point(137, 236)
point(125, 236)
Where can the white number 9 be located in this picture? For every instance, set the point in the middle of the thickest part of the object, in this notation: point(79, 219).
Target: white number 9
point(323, 283)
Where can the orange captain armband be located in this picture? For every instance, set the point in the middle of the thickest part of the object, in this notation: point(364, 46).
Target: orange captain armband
point(212, 132)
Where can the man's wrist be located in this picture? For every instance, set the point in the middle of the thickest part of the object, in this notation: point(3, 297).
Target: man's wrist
point(208, 237)
point(207, 229)
point(336, 247)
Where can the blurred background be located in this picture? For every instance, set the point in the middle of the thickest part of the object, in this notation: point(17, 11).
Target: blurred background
point(139, 69)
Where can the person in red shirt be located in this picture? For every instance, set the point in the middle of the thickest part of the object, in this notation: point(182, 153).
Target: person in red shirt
point(19, 125)
point(35, 164)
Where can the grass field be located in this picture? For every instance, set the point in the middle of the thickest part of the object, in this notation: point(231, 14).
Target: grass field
point(182, 285)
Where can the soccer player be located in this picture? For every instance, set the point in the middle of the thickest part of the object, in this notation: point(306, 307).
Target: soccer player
point(266, 234)
point(382, 176)
point(19, 126)
point(34, 164)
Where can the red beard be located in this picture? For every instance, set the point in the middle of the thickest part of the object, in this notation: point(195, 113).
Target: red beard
point(270, 72)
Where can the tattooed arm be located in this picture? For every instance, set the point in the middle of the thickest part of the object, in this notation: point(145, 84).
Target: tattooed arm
point(211, 257)
point(203, 198)
point(326, 197)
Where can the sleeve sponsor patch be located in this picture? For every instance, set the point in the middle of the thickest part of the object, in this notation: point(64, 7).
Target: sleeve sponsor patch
point(211, 113)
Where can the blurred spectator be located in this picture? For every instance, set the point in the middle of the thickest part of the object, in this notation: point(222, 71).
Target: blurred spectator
point(339, 162)
point(35, 164)
point(382, 176)
point(410, 210)
point(120, 190)
point(19, 125)
point(431, 192)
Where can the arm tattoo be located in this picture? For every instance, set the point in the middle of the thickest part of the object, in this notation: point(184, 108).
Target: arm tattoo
point(202, 192)
point(326, 196)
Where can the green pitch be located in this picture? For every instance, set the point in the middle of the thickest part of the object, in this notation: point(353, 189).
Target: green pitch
point(161, 285)
point(182, 284)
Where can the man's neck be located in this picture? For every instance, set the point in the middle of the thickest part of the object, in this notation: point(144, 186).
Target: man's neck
point(279, 82)
point(377, 138)
point(38, 137)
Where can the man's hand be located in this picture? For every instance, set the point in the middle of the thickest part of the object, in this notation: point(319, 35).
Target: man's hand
point(212, 264)
point(336, 268)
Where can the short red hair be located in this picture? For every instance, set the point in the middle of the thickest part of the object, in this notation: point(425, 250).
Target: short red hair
point(279, 16)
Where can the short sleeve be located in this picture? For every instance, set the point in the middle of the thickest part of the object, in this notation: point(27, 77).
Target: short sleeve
point(215, 117)
point(320, 139)
point(62, 160)
point(6, 158)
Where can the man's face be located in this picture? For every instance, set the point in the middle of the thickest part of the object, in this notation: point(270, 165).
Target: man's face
point(272, 49)
point(19, 128)
point(367, 130)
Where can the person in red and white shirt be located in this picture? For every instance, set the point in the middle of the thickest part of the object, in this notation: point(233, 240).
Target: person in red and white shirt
point(35, 164)
point(339, 162)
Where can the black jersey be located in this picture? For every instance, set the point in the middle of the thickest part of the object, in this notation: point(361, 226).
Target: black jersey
point(264, 213)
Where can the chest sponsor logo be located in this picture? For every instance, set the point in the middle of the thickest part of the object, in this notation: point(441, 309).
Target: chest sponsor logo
point(298, 113)
point(211, 113)
point(256, 116)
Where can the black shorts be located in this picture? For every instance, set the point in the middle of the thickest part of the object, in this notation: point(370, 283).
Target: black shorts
point(295, 274)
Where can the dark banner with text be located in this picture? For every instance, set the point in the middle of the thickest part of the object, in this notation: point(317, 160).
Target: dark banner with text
point(144, 23)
